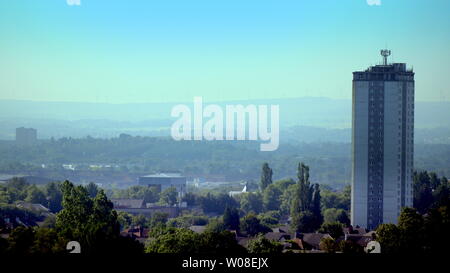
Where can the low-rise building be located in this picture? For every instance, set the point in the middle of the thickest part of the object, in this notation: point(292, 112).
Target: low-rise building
point(197, 229)
point(122, 203)
point(163, 181)
point(138, 206)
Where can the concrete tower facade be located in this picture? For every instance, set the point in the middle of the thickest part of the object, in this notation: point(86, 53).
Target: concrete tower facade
point(382, 143)
point(26, 136)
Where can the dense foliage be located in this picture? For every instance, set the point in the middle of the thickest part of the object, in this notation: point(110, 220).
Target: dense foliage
point(85, 214)
point(17, 189)
point(330, 162)
point(424, 228)
point(186, 241)
point(306, 211)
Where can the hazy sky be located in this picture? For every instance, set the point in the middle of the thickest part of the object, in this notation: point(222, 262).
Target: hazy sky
point(122, 51)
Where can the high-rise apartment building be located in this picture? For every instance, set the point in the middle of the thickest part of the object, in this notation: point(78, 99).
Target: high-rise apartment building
point(382, 143)
point(25, 136)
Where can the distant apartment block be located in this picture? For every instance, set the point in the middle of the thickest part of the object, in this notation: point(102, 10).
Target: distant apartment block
point(164, 181)
point(382, 143)
point(25, 136)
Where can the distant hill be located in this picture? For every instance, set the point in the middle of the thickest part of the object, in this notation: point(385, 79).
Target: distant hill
point(313, 114)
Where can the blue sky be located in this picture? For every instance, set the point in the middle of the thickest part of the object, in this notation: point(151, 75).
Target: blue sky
point(121, 51)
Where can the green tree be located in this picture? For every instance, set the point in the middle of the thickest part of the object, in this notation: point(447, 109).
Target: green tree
point(169, 196)
point(434, 181)
point(73, 220)
point(328, 245)
point(47, 241)
point(190, 198)
point(406, 237)
point(92, 189)
point(336, 215)
point(337, 200)
point(388, 235)
point(36, 196)
point(271, 197)
point(303, 222)
point(251, 225)
point(103, 226)
point(158, 219)
point(346, 197)
point(266, 176)
point(284, 184)
point(215, 225)
point(411, 225)
point(220, 243)
point(305, 209)
point(330, 215)
point(270, 218)
point(90, 221)
point(17, 189)
point(261, 245)
point(316, 208)
point(287, 199)
point(445, 181)
point(437, 225)
point(304, 192)
point(5, 197)
point(21, 240)
point(175, 241)
point(185, 221)
point(231, 218)
point(251, 202)
point(150, 194)
point(343, 218)
point(54, 196)
point(186, 241)
point(139, 220)
point(216, 203)
point(334, 229)
point(441, 195)
point(423, 197)
point(125, 219)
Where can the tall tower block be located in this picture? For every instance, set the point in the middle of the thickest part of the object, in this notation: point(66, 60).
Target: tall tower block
point(382, 143)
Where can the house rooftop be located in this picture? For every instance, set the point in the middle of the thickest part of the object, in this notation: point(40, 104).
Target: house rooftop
point(313, 239)
point(283, 229)
point(361, 240)
point(354, 230)
point(197, 229)
point(32, 206)
point(277, 236)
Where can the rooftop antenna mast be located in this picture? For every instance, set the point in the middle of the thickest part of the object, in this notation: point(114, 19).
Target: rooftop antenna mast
point(385, 53)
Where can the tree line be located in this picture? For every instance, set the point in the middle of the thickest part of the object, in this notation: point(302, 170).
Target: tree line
point(85, 214)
